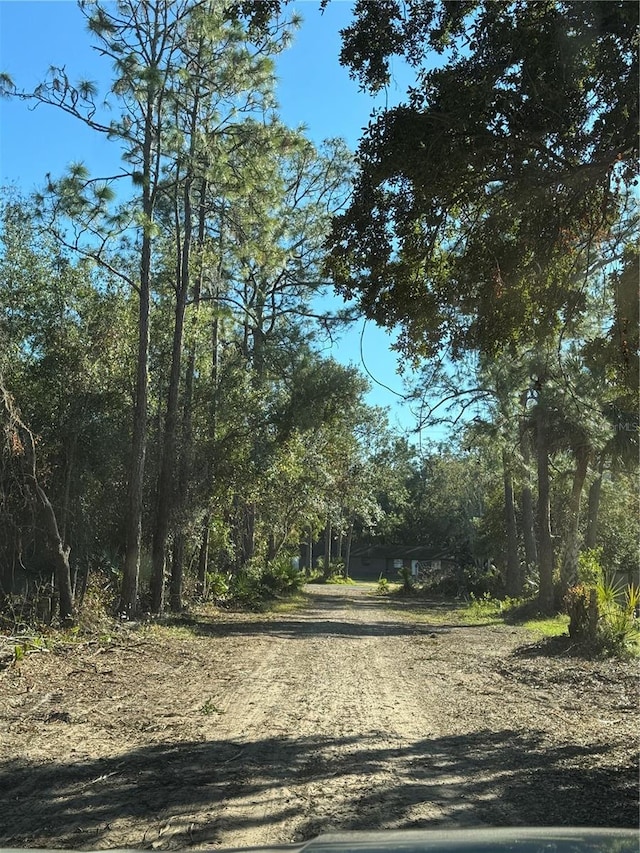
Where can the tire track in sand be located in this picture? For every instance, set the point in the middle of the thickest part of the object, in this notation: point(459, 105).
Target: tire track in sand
point(325, 721)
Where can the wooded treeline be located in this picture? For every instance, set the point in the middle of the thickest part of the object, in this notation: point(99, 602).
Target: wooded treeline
point(162, 343)
point(167, 411)
point(494, 212)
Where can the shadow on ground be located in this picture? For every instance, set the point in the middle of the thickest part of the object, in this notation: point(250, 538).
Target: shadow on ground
point(494, 778)
point(325, 617)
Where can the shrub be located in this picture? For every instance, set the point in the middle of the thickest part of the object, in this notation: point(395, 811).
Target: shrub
point(32, 608)
point(245, 588)
point(407, 580)
point(446, 585)
point(217, 585)
point(335, 574)
point(465, 580)
point(281, 576)
point(590, 570)
point(383, 586)
point(485, 606)
point(481, 581)
point(618, 625)
point(254, 583)
point(603, 615)
point(581, 602)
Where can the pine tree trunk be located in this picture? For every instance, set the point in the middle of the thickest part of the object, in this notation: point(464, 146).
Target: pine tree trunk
point(60, 556)
point(528, 526)
point(133, 530)
point(203, 558)
point(569, 569)
point(167, 464)
point(327, 550)
point(595, 491)
point(526, 496)
point(131, 568)
point(514, 577)
point(347, 554)
point(545, 542)
point(310, 548)
point(168, 457)
point(203, 555)
point(177, 572)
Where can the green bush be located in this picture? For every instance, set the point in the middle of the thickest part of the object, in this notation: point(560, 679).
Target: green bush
point(482, 581)
point(485, 606)
point(254, 584)
point(445, 585)
point(581, 602)
point(618, 625)
point(217, 585)
point(465, 581)
point(590, 571)
point(280, 576)
point(604, 615)
point(383, 586)
point(245, 588)
point(408, 584)
point(335, 574)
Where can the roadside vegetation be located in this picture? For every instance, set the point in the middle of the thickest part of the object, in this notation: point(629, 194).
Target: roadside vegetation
point(598, 617)
point(173, 434)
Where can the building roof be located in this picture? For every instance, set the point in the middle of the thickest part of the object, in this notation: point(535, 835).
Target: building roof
point(401, 552)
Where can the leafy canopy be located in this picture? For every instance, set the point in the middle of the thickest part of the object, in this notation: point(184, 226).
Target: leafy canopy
point(480, 201)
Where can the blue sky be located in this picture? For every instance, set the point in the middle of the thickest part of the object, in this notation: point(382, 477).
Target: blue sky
point(314, 90)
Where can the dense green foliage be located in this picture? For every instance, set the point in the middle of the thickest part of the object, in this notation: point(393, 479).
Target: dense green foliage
point(160, 337)
point(170, 424)
point(494, 213)
point(479, 201)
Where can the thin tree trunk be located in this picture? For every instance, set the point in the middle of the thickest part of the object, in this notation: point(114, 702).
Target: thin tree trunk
point(131, 567)
point(256, 363)
point(168, 461)
point(272, 548)
point(514, 577)
point(177, 570)
point(526, 495)
point(595, 491)
point(133, 525)
point(347, 554)
point(60, 555)
point(61, 580)
point(569, 569)
point(203, 558)
point(545, 542)
point(248, 532)
point(84, 583)
point(183, 461)
point(168, 458)
point(327, 550)
point(66, 495)
point(203, 553)
point(528, 526)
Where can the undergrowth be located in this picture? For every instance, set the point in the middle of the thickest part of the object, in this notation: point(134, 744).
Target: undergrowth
point(603, 612)
point(335, 574)
point(255, 585)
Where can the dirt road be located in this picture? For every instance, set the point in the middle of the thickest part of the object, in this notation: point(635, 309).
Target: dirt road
point(246, 729)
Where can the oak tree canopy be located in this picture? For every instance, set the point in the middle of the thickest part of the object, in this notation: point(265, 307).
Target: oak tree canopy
point(481, 203)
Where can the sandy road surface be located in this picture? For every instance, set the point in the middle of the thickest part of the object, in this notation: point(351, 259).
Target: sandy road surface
point(349, 714)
